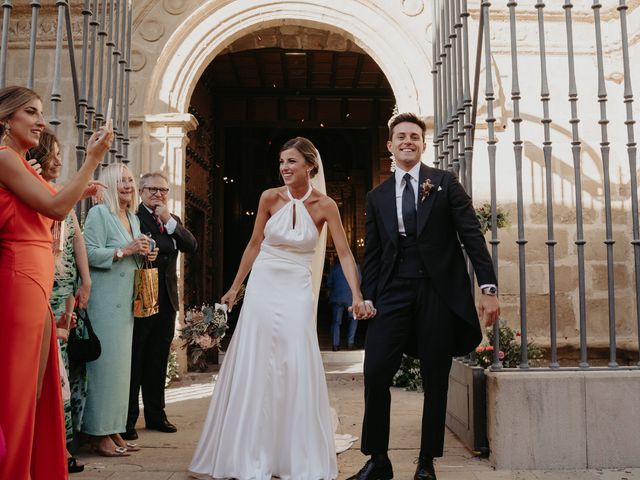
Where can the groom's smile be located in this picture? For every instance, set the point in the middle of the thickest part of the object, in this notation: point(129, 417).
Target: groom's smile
point(406, 145)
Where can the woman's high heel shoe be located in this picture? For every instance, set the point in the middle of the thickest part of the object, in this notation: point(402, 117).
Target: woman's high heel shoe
point(73, 466)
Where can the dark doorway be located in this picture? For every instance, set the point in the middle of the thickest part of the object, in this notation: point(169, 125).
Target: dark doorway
point(253, 101)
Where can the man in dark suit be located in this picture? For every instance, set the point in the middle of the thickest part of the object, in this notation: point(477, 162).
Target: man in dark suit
point(152, 336)
point(415, 274)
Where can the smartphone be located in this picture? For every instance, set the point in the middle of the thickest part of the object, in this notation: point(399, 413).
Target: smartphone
point(108, 118)
point(152, 242)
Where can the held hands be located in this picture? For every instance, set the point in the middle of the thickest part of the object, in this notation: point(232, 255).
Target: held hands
point(489, 309)
point(362, 310)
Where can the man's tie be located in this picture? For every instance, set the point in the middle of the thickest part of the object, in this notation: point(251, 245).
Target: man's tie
point(409, 214)
point(160, 224)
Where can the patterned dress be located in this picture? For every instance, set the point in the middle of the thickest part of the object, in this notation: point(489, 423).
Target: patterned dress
point(63, 286)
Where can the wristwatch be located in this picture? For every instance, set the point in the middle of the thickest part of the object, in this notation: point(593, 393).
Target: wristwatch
point(490, 290)
point(119, 253)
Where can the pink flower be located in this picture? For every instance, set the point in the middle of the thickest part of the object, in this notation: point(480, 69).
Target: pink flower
point(205, 341)
point(479, 349)
point(501, 355)
point(489, 348)
point(425, 189)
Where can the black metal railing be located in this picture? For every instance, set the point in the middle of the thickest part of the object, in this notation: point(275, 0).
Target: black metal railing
point(455, 108)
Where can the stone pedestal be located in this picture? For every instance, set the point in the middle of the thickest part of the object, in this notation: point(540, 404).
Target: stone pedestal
point(563, 420)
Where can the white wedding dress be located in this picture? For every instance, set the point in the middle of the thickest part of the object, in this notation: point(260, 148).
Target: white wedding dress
point(269, 413)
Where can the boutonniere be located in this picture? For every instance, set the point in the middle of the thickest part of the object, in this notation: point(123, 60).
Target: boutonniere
point(425, 189)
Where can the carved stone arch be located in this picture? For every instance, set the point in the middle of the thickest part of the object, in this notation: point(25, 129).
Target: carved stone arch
point(403, 58)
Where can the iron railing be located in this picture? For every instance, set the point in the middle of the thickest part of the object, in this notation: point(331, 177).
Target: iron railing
point(455, 107)
point(106, 23)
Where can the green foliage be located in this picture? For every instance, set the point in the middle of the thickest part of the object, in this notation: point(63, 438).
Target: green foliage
point(172, 368)
point(408, 375)
point(510, 349)
point(483, 213)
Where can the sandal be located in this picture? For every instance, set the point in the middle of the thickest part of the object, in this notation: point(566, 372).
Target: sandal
point(132, 447)
point(119, 441)
point(73, 466)
point(116, 452)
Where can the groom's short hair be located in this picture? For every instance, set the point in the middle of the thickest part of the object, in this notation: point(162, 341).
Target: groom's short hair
point(407, 117)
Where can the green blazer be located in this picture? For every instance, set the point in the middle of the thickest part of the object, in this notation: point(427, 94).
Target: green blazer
point(111, 312)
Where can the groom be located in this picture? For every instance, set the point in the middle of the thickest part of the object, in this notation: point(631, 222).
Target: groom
point(415, 274)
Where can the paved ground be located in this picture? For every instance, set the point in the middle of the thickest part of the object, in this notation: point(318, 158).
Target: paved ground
point(166, 456)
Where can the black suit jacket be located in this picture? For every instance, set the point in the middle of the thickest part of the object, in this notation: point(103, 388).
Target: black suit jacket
point(168, 252)
point(445, 218)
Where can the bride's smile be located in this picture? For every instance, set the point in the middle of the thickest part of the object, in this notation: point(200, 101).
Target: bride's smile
point(294, 169)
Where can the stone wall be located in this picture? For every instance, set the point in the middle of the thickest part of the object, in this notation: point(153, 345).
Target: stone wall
point(173, 41)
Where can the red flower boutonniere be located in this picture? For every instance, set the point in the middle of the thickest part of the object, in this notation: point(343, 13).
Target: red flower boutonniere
point(425, 189)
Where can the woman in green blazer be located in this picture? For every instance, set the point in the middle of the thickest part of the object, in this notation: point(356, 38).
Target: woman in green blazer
point(115, 247)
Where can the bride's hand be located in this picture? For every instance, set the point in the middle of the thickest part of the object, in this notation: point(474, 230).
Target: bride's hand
point(358, 309)
point(229, 298)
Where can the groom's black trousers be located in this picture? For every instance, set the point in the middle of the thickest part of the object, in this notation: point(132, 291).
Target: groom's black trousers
point(410, 316)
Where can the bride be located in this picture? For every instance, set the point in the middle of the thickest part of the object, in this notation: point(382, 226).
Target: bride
point(269, 414)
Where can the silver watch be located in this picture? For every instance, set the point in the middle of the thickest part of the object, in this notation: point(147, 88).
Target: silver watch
point(490, 290)
point(119, 253)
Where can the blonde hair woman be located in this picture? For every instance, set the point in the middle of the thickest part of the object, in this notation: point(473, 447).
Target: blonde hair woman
point(115, 247)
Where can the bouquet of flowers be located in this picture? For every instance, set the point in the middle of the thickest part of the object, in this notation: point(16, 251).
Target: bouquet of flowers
point(204, 328)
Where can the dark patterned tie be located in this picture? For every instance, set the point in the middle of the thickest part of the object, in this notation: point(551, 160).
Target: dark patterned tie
point(409, 215)
point(160, 224)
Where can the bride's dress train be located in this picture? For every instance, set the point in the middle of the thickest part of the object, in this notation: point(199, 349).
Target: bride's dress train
point(269, 413)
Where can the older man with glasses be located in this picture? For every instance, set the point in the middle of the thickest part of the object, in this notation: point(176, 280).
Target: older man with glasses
point(152, 336)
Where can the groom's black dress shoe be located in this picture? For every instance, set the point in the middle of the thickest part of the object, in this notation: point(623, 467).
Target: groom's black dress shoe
point(162, 426)
point(378, 469)
point(425, 470)
point(130, 434)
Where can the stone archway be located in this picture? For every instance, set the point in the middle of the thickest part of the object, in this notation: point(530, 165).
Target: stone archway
point(404, 60)
point(382, 33)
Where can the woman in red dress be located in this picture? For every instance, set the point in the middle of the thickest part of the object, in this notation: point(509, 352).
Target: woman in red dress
point(31, 403)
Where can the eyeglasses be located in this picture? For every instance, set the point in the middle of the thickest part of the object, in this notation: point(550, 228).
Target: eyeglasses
point(155, 191)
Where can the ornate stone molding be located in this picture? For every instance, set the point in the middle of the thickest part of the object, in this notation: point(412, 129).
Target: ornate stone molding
point(412, 7)
point(151, 30)
point(174, 7)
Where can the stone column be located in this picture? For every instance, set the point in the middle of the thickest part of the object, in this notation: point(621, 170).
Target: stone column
point(164, 149)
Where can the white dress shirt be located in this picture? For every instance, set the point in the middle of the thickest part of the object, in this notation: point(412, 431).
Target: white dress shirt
point(169, 227)
point(400, 184)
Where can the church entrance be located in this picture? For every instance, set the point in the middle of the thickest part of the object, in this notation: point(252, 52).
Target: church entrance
point(256, 94)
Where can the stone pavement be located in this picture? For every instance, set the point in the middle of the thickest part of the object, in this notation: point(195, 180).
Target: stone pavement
point(166, 456)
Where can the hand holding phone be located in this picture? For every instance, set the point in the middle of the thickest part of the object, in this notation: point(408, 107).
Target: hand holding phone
point(152, 243)
point(108, 117)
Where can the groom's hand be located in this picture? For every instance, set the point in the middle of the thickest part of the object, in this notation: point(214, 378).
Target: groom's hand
point(369, 310)
point(489, 309)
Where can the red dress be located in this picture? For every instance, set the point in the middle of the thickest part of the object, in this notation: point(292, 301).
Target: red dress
point(34, 430)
